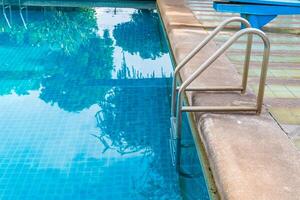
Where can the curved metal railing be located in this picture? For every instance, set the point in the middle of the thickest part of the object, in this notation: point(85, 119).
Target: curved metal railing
point(21, 13)
point(203, 67)
point(4, 7)
point(199, 47)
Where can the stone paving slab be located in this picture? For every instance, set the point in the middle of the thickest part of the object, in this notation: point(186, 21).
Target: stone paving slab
point(250, 156)
point(247, 163)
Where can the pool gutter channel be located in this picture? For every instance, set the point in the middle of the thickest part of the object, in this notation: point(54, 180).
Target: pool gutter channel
point(225, 147)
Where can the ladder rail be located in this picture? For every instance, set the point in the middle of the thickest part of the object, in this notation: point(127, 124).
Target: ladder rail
point(208, 63)
point(205, 42)
point(21, 14)
point(4, 13)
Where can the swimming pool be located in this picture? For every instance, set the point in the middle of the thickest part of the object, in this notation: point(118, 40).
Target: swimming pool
point(85, 104)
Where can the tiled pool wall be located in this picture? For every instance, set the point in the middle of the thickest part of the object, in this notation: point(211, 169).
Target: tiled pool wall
point(85, 103)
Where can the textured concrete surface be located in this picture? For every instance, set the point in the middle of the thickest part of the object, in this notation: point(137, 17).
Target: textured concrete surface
point(249, 155)
point(282, 95)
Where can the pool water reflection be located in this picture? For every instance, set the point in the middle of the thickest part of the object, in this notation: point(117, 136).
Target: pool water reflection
point(85, 106)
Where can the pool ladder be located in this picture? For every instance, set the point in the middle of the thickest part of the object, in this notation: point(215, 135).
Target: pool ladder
point(6, 6)
point(177, 107)
point(21, 8)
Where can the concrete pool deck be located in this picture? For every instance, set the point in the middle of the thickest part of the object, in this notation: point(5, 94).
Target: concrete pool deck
point(250, 156)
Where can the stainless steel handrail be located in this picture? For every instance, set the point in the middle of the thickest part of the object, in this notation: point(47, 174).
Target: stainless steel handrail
point(21, 14)
point(204, 66)
point(201, 45)
point(4, 13)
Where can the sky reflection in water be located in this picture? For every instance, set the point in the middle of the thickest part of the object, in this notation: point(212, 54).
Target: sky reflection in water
point(85, 106)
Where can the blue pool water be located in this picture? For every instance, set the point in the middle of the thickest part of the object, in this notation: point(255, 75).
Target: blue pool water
point(85, 103)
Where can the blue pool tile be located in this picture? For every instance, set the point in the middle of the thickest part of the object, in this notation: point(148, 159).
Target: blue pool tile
point(85, 107)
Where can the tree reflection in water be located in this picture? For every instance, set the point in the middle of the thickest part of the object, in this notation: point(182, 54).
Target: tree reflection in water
point(144, 36)
point(59, 29)
point(134, 120)
point(73, 59)
point(70, 56)
point(74, 75)
point(134, 116)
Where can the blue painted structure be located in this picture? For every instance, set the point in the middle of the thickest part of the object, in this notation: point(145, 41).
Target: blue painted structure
point(259, 12)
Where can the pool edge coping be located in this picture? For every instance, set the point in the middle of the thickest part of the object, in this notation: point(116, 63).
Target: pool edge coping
point(265, 118)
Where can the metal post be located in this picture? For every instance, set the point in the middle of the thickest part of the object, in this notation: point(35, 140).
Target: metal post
point(247, 63)
point(263, 75)
point(21, 14)
point(4, 13)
